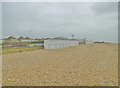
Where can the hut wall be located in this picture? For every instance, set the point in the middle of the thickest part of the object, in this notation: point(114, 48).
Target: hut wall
point(57, 44)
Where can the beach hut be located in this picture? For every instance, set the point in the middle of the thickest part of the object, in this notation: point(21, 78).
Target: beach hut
point(57, 43)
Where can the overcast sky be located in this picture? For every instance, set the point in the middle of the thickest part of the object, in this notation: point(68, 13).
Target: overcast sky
point(0, 20)
point(96, 21)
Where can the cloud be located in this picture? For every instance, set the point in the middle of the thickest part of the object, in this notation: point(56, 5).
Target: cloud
point(52, 19)
point(105, 7)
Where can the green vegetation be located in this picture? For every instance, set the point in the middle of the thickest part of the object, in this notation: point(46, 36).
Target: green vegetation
point(14, 50)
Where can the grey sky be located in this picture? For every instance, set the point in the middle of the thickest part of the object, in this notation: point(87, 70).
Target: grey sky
point(0, 20)
point(96, 21)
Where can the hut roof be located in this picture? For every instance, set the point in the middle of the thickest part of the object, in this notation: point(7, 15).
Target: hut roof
point(27, 38)
point(20, 38)
point(11, 37)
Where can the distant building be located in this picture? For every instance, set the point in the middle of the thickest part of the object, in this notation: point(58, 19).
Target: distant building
point(10, 39)
point(27, 39)
point(21, 38)
point(12, 42)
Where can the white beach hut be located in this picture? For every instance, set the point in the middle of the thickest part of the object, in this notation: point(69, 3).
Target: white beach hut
point(57, 43)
